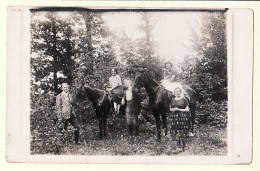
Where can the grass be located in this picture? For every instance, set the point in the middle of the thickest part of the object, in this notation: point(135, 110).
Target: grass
point(46, 139)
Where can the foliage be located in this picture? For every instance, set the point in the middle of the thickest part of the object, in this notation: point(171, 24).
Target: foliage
point(83, 49)
point(96, 55)
point(52, 47)
point(212, 113)
point(148, 47)
point(206, 69)
point(141, 52)
point(47, 139)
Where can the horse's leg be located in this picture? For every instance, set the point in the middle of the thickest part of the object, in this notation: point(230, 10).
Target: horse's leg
point(158, 126)
point(105, 124)
point(99, 116)
point(136, 128)
point(192, 118)
point(164, 118)
point(183, 144)
point(136, 125)
point(130, 129)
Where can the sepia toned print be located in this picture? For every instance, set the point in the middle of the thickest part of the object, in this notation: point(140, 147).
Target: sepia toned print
point(143, 83)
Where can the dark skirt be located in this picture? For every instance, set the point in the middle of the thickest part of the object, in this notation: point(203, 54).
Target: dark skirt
point(179, 124)
point(117, 94)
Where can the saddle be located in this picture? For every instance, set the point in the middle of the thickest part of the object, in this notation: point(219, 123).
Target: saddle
point(118, 91)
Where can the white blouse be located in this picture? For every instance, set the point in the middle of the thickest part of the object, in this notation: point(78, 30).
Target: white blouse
point(115, 81)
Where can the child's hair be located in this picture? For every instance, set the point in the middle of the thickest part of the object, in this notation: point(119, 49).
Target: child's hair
point(64, 84)
point(178, 89)
point(167, 63)
point(114, 69)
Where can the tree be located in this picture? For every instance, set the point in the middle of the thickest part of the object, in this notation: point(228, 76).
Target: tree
point(95, 50)
point(147, 46)
point(127, 53)
point(206, 69)
point(52, 47)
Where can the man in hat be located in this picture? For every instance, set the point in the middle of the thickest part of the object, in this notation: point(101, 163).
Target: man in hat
point(65, 114)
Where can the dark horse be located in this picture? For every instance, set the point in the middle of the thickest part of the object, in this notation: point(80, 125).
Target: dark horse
point(100, 101)
point(159, 101)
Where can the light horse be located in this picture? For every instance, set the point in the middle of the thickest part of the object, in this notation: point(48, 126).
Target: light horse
point(100, 101)
point(159, 101)
point(132, 108)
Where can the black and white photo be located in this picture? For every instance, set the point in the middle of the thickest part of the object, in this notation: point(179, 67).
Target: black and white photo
point(122, 85)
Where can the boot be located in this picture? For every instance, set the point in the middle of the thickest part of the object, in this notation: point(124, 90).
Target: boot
point(136, 130)
point(130, 129)
point(76, 136)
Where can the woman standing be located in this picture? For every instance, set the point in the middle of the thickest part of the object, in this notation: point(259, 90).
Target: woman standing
point(179, 117)
point(116, 89)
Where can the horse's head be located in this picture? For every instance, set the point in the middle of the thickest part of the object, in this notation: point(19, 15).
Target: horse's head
point(80, 94)
point(141, 79)
point(138, 82)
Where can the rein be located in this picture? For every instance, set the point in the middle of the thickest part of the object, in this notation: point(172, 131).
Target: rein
point(102, 98)
point(155, 90)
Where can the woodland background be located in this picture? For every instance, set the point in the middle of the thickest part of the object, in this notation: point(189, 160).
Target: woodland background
point(81, 46)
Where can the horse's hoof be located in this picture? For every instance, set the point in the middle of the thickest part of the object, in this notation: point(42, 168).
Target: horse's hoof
point(100, 137)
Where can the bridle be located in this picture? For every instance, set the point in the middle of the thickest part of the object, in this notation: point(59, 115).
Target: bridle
point(140, 77)
point(85, 93)
point(145, 81)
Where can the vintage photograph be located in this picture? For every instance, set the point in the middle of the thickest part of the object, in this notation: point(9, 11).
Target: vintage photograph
point(128, 82)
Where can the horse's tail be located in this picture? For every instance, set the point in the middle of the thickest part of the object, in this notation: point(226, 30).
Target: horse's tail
point(192, 104)
point(191, 92)
point(189, 89)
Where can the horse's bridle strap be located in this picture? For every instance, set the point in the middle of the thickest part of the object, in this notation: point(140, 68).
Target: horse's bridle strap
point(102, 98)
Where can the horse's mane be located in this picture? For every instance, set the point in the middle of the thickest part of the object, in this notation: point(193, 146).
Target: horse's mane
point(98, 90)
point(152, 86)
point(93, 93)
point(148, 75)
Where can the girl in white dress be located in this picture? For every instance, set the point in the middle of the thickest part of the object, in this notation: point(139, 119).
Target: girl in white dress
point(116, 89)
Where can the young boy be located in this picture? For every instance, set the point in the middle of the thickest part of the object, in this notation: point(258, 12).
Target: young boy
point(65, 114)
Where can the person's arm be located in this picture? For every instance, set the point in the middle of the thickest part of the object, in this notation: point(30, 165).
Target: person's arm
point(58, 107)
point(164, 74)
point(172, 108)
point(109, 82)
point(187, 109)
point(71, 100)
point(109, 87)
point(172, 78)
point(119, 80)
